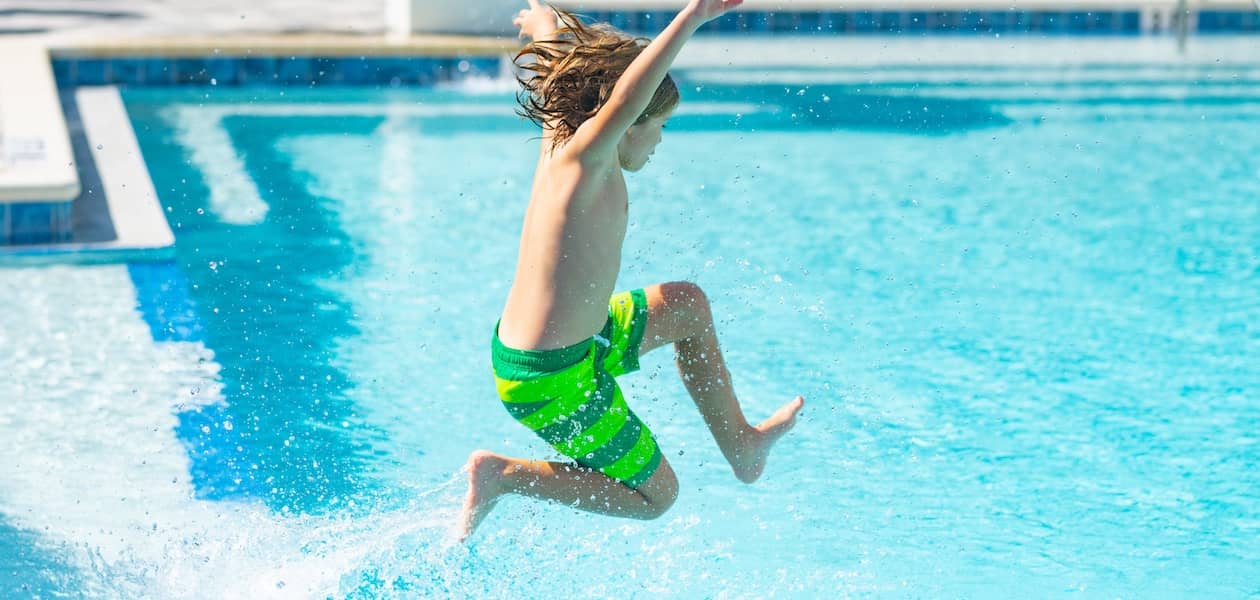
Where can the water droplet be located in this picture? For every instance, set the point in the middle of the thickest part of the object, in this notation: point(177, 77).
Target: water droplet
point(100, 146)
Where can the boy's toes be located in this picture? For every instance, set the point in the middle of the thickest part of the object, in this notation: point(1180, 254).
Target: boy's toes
point(784, 418)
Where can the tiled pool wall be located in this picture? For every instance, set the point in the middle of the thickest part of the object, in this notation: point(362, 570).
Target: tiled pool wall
point(270, 70)
point(1229, 21)
point(35, 222)
point(893, 21)
point(1069, 22)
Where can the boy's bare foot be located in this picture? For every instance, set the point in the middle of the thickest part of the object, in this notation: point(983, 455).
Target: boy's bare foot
point(485, 476)
point(751, 461)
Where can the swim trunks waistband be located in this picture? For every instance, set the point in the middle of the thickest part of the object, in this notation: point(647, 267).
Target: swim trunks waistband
point(523, 365)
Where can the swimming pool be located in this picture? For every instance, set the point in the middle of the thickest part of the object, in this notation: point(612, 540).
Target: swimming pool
point(1021, 303)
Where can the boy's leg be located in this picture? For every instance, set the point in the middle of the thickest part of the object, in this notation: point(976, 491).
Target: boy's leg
point(491, 476)
point(678, 313)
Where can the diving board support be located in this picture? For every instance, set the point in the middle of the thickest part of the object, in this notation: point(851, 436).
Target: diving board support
point(133, 204)
point(38, 181)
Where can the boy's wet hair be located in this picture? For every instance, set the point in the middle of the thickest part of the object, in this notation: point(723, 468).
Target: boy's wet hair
point(573, 75)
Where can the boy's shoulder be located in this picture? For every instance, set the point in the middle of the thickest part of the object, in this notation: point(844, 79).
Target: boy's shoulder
point(572, 154)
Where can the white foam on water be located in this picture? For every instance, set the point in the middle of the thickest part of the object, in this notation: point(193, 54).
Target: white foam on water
point(246, 552)
point(481, 86)
point(502, 82)
point(94, 467)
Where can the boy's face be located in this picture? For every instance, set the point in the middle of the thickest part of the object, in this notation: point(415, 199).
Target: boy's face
point(640, 141)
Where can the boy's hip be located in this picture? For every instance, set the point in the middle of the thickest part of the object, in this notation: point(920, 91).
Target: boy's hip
point(614, 349)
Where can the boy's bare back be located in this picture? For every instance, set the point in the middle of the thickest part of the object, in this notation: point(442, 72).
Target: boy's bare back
point(570, 252)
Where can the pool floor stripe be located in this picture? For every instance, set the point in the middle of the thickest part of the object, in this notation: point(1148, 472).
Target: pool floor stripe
point(164, 301)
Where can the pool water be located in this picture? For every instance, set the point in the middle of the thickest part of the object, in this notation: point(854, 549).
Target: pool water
point(1021, 304)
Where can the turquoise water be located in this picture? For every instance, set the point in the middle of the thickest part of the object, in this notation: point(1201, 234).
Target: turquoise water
point(1022, 307)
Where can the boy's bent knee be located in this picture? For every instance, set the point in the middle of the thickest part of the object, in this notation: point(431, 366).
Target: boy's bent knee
point(685, 292)
point(657, 506)
point(660, 491)
point(689, 304)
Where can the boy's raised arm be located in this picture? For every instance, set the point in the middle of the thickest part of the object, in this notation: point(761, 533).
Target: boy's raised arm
point(634, 90)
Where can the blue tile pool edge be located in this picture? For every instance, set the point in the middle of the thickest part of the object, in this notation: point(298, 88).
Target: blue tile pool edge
point(270, 70)
point(27, 223)
point(931, 22)
point(849, 22)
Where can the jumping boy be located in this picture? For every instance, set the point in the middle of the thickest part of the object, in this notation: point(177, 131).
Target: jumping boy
point(602, 99)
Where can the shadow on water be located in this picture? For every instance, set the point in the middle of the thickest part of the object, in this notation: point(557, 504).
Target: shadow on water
point(286, 433)
point(839, 107)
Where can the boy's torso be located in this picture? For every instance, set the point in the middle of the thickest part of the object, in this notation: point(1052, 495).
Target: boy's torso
point(570, 254)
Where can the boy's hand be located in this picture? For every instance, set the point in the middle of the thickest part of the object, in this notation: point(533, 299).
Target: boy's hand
point(704, 11)
point(537, 21)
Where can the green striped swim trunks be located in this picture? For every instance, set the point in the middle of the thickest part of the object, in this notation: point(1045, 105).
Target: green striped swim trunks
point(569, 396)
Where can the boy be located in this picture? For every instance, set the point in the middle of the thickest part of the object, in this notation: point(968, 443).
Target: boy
point(602, 99)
